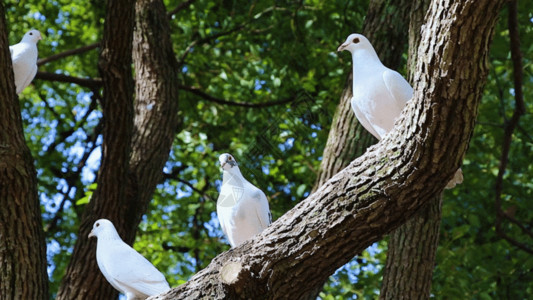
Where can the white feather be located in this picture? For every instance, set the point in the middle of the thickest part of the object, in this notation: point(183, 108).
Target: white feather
point(24, 57)
point(242, 208)
point(379, 93)
point(123, 267)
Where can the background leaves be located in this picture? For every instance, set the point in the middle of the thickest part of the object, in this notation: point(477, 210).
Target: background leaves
point(258, 53)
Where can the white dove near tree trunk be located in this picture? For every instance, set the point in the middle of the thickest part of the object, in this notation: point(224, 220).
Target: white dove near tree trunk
point(379, 93)
point(24, 58)
point(123, 267)
point(242, 208)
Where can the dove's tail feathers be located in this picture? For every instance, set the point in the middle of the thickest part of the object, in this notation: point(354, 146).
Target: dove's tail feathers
point(457, 179)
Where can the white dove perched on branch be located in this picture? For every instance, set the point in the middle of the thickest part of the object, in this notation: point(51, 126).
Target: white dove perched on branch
point(379, 93)
point(24, 57)
point(242, 208)
point(125, 269)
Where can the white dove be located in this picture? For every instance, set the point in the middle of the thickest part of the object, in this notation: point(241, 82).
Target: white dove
point(242, 208)
point(379, 93)
point(24, 57)
point(125, 269)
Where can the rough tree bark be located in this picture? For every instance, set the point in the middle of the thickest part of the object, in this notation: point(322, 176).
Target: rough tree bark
point(154, 123)
point(412, 247)
point(383, 188)
point(22, 245)
point(82, 274)
point(156, 105)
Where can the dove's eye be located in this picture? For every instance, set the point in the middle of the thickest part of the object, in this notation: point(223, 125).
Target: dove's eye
point(31, 33)
point(356, 40)
point(230, 158)
point(97, 224)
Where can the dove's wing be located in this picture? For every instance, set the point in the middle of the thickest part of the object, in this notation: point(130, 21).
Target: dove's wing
point(363, 120)
point(399, 89)
point(132, 271)
point(11, 50)
point(262, 210)
point(222, 218)
point(28, 79)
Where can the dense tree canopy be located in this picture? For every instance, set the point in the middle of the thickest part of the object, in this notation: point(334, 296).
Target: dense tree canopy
point(262, 80)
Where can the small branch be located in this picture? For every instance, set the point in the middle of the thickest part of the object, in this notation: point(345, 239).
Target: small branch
point(509, 127)
point(208, 97)
point(192, 187)
point(181, 249)
point(183, 5)
point(86, 82)
point(53, 223)
point(207, 39)
point(48, 106)
point(67, 53)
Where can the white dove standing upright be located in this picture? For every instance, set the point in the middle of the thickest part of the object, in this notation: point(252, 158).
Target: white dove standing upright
point(24, 57)
point(242, 208)
point(125, 269)
point(379, 93)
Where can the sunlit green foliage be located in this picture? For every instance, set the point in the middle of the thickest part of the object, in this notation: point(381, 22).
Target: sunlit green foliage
point(259, 52)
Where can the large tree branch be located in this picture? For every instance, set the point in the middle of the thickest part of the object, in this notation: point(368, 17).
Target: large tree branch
point(509, 128)
point(380, 190)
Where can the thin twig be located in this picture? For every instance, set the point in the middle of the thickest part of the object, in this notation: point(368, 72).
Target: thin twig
point(208, 97)
point(86, 82)
point(64, 54)
point(180, 7)
point(181, 60)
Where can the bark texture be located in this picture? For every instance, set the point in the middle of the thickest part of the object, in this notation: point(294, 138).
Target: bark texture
point(156, 105)
point(146, 141)
point(411, 255)
point(383, 188)
point(109, 200)
point(22, 245)
point(412, 247)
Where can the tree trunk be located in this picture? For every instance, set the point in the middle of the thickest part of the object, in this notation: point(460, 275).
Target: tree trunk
point(411, 255)
point(413, 246)
point(83, 279)
point(22, 245)
point(383, 188)
point(154, 125)
point(156, 106)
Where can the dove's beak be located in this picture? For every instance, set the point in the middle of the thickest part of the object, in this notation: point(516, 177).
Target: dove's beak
point(342, 47)
point(91, 234)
